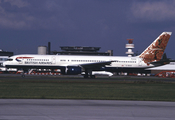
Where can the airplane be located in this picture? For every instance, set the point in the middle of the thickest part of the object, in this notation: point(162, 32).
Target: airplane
point(100, 73)
point(76, 64)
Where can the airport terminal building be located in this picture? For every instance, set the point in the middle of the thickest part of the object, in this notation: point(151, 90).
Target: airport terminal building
point(4, 55)
point(79, 50)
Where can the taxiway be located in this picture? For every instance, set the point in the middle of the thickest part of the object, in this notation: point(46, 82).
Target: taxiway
point(44, 109)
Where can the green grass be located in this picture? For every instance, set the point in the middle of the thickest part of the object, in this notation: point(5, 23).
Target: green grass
point(77, 88)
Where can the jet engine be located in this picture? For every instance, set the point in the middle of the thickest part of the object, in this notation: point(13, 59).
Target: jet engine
point(71, 70)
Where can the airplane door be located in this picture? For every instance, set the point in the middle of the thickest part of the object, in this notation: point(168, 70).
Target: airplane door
point(20, 60)
point(54, 60)
point(140, 62)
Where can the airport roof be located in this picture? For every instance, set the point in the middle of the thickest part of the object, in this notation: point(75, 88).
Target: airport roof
point(5, 53)
point(80, 48)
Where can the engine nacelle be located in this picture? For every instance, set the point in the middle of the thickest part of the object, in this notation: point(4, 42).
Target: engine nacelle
point(71, 70)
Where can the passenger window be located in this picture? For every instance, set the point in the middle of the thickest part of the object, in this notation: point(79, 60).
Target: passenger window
point(9, 59)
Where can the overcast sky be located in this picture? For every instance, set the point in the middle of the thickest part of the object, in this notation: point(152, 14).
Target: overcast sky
point(27, 24)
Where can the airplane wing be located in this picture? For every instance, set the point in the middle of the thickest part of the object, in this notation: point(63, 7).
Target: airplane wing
point(95, 65)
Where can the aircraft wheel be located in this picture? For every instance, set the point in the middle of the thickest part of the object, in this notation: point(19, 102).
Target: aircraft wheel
point(23, 75)
point(85, 76)
point(92, 76)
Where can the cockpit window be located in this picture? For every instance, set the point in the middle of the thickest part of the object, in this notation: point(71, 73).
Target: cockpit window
point(9, 59)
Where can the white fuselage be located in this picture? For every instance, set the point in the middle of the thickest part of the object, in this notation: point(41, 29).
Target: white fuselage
point(73, 60)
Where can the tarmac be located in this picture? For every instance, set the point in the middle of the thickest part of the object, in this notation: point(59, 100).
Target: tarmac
point(80, 77)
point(47, 109)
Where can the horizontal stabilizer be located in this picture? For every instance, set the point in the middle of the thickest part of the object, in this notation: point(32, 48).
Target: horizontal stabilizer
point(163, 61)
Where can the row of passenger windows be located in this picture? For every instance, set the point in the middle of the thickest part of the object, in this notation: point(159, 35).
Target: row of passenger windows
point(87, 61)
point(84, 60)
point(126, 61)
point(3, 59)
point(98, 61)
point(37, 59)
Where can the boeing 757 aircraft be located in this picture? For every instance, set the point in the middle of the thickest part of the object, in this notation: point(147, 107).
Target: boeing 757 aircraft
point(71, 64)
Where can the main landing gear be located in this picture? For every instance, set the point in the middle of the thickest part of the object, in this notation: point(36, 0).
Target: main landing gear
point(88, 74)
point(23, 73)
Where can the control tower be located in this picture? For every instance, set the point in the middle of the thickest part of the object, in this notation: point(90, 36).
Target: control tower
point(130, 46)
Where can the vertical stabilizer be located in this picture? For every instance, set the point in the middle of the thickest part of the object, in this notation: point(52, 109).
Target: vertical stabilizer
point(155, 51)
